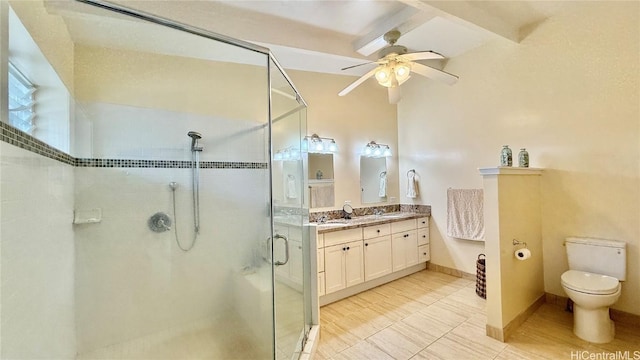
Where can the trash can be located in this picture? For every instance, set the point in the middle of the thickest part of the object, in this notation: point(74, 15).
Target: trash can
point(481, 276)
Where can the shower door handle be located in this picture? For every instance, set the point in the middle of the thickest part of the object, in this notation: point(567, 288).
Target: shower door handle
point(286, 249)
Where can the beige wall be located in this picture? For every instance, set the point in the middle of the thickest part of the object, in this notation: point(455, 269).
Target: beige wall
point(50, 33)
point(353, 120)
point(568, 93)
point(512, 211)
point(124, 77)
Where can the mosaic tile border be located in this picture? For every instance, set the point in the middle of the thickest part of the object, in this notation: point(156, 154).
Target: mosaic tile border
point(166, 164)
point(18, 138)
point(27, 142)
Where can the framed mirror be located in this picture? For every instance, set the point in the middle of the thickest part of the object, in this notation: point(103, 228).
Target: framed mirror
point(321, 185)
point(373, 179)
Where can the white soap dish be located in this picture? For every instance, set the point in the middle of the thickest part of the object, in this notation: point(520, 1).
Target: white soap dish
point(89, 216)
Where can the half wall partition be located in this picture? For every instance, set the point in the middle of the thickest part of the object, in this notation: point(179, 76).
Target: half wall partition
point(87, 269)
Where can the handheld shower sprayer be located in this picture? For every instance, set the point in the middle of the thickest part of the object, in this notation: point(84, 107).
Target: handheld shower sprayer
point(195, 136)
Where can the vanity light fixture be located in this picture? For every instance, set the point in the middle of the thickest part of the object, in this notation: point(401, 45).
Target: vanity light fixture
point(373, 149)
point(289, 153)
point(317, 144)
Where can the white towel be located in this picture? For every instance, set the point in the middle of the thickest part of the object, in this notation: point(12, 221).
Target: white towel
point(291, 187)
point(465, 214)
point(321, 195)
point(412, 185)
point(382, 191)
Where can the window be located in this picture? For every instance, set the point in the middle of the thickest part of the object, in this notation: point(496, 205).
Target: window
point(21, 101)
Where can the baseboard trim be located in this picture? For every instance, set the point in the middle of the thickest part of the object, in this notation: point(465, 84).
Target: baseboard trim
point(451, 271)
point(504, 333)
point(620, 316)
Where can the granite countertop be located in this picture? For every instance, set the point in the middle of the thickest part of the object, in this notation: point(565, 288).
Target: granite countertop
point(367, 220)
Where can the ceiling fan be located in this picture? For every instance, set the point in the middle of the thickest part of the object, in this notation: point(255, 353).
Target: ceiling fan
point(395, 65)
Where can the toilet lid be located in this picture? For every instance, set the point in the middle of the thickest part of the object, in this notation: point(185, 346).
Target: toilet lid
point(589, 283)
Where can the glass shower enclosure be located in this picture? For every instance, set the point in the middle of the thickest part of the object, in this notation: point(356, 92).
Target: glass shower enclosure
point(155, 208)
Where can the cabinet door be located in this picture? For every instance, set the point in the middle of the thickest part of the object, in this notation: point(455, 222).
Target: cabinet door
point(411, 248)
point(399, 258)
point(377, 257)
point(334, 278)
point(354, 264)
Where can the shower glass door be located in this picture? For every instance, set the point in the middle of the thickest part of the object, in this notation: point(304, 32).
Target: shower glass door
point(290, 242)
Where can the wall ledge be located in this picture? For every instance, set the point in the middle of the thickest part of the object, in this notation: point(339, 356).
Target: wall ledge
point(509, 170)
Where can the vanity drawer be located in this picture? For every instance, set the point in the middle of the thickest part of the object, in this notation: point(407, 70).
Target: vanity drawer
point(376, 230)
point(423, 236)
point(423, 253)
point(423, 222)
point(404, 225)
point(342, 236)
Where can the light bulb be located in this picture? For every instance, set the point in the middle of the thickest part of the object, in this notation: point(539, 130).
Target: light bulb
point(333, 147)
point(368, 150)
point(402, 72)
point(377, 151)
point(277, 156)
point(305, 144)
point(383, 75)
point(318, 146)
point(387, 151)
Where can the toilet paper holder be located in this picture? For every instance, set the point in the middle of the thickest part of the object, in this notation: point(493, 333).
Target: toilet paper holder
point(516, 243)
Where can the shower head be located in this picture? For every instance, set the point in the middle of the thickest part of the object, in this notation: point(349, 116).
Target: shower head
point(195, 136)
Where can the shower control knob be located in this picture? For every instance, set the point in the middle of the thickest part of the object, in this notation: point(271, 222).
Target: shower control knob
point(159, 222)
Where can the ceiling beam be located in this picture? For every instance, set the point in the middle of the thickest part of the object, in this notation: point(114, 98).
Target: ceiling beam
point(404, 21)
point(471, 15)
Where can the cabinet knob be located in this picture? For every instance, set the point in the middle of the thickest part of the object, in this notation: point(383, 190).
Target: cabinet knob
point(366, 244)
point(344, 249)
point(424, 222)
point(424, 236)
point(378, 230)
point(424, 253)
point(348, 248)
point(406, 235)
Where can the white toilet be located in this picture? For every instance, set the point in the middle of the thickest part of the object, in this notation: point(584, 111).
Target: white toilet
point(596, 267)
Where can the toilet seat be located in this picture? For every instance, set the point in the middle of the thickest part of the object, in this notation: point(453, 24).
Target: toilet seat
point(590, 283)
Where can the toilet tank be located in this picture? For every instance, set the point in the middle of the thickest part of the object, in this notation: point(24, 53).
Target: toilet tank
point(598, 256)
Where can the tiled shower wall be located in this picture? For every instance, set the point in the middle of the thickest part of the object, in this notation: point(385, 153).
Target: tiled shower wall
point(69, 289)
point(37, 256)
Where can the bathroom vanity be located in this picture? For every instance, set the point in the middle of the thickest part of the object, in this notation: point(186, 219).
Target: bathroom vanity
point(359, 254)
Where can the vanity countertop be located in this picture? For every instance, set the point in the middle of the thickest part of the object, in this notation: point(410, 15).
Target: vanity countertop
point(367, 220)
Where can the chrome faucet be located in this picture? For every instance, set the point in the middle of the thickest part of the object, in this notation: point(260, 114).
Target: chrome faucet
point(378, 211)
point(322, 219)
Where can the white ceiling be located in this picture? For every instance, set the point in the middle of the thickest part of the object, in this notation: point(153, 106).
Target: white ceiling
point(327, 35)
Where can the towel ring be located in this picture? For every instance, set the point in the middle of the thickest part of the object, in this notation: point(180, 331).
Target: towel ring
point(383, 174)
point(412, 171)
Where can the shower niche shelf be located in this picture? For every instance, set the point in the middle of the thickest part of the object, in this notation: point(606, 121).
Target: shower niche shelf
point(87, 216)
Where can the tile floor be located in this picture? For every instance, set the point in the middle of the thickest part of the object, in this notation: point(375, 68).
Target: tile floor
point(430, 315)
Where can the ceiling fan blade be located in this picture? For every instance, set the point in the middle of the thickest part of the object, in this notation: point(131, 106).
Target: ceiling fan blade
point(354, 84)
point(367, 63)
point(422, 55)
point(432, 73)
point(395, 93)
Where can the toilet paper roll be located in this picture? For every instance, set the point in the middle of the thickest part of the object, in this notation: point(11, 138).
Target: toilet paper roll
point(523, 254)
